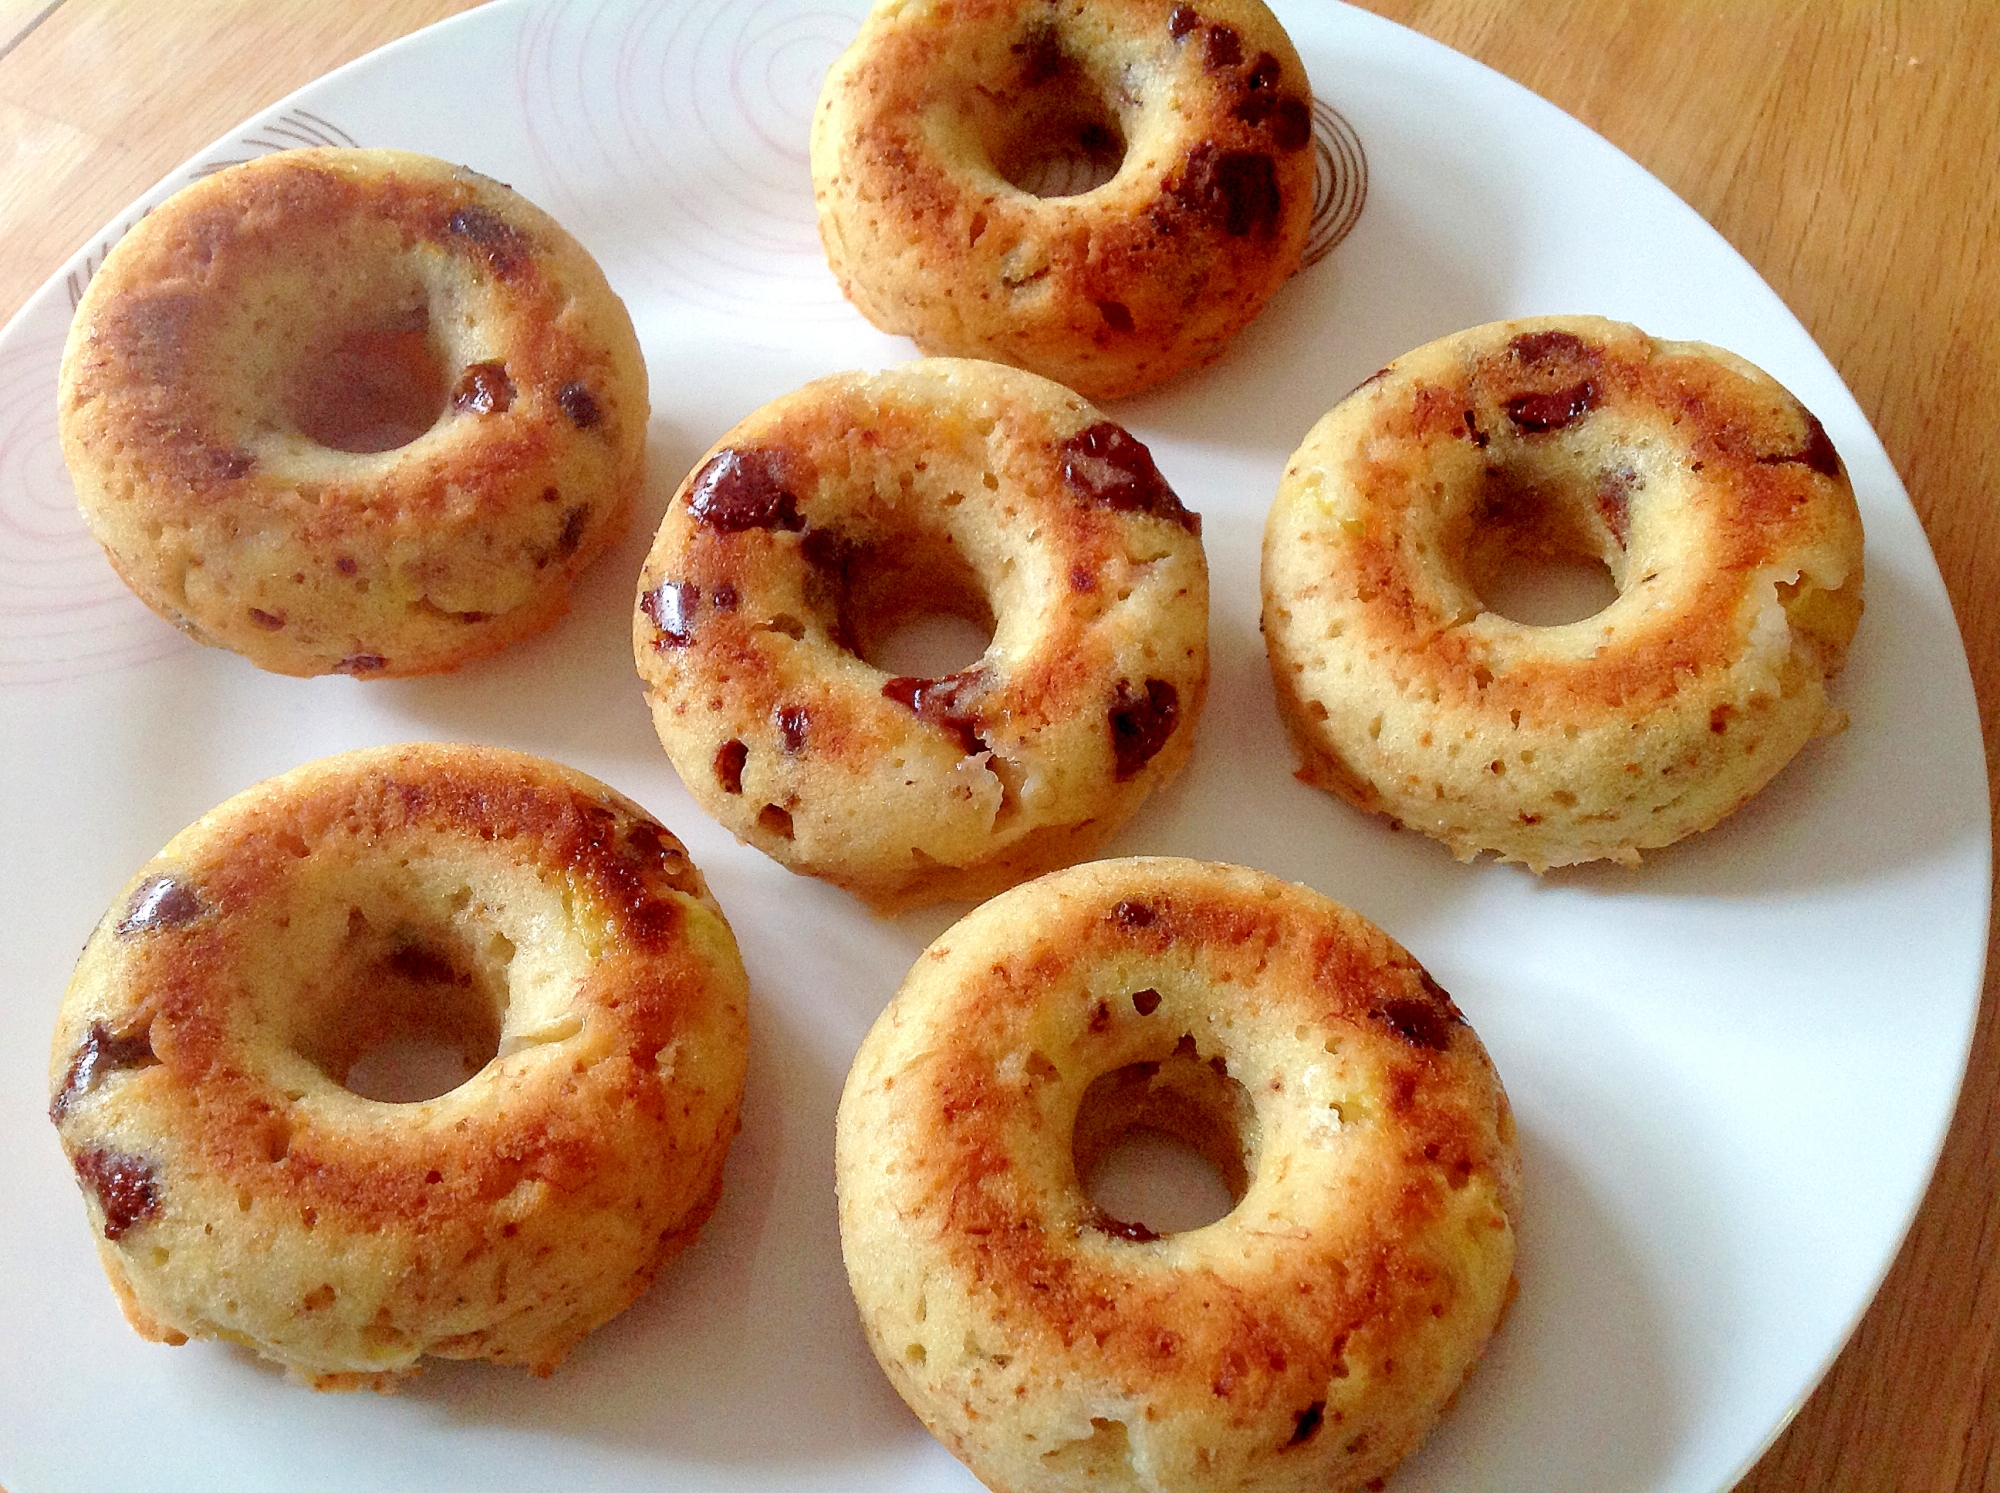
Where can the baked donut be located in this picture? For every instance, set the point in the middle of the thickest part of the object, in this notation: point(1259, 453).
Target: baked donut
point(1104, 193)
point(352, 411)
point(490, 906)
point(1713, 498)
point(1308, 1339)
point(836, 514)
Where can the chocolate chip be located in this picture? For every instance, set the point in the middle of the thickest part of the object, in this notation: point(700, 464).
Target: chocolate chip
point(102, 1051)
point(1141, 724)
point(745, 489)
point(1237, 189)
point(671, 606)
point(1181, 20)
point(1264, 72)
point(1545, 347)
point(1536, 413)
point(1817, 453)
point(1418, 1022)
point(725, 597)
point(484, 389)
point(346, 565)
point(1472, 430)
point(1117, 315)
point(159, 902)
point(126, 1188)
point(793, 723)
point(361, 663)
point(269, 621)
point(577, 403)
point(1292, 125)
point(1224, 48)
point(505, 246)
point(1118, 1228)
point(1106, 464)
point(1134, 914)
point(1307, 1424)
point(1146, 1002)
point(729, 760)
point(572, 530)
point(944, 702)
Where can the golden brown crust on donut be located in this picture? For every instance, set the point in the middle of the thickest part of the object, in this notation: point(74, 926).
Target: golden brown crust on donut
point(352, 295)
point(240, 1191)
point(1106, 291)
point(1307, 1340)
point(1711, 494)
point(831, 514)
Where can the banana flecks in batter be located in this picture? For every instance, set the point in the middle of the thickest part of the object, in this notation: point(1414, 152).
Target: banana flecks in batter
point(127, 1189)
point(102, 1051)
point(162, 901)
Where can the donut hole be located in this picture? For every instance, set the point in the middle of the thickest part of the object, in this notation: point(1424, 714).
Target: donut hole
point(1164, 1147)
point(1540, 553)
point(912, 605)
point(370, 385)
point(1054, 133)
point(404, 1010)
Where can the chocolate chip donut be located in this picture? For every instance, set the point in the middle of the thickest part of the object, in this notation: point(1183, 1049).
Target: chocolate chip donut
point(495, 908)
point(834, 515)
point(352, 411)
point(1713, 498)
point(1308, 1339)
point(957, 153)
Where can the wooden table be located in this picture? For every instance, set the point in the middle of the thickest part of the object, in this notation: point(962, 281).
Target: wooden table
point(1848, 149)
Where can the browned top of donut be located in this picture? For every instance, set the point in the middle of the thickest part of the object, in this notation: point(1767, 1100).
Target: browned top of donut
point(178, 939)
point(1759, 481)
point(1264, 1318)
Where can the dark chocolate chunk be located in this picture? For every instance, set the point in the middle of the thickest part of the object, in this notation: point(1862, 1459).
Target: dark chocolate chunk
point(102, 1051)
point(1141, 724)
point(1224, 48)
point(1181, 20)
point(162, 901)
point(1134, 914)
point(671, 606)
point(1138, 1233)
point(577, 403)
point(725, 597)
point(1106, 464)
point(1535, 413)
point(1307, 1425)
point(794, 721)
point(1237, 189)
point(944, 702)
point(126, 1188)
point(1544, 347)
point(484, 389)
point(505, 246)
point(1420, 1023)
point(1817, 453)
point(745, 489)
point(572, 530)
point(1117, 315)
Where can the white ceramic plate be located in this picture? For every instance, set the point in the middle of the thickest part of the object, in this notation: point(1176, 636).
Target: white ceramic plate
point(1732, 1068)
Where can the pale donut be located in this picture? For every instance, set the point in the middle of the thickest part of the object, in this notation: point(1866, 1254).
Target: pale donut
point(352, 411)
point(834, 514)
point(1714, 498)
point(933, 119)
point(1305, 1341)
point(491, 902)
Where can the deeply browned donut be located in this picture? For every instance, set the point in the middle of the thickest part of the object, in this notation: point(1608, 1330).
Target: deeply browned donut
point(1307, 1340)
point(830, 516)
point(352, 411)
point(1713, 497)
point(546, 928)
point(934, 125)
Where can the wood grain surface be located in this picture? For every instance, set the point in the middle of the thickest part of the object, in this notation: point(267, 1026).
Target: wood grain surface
point(1850, 150)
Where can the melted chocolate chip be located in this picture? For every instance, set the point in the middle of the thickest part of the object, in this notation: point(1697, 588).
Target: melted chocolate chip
point(572, 531)
point(1614, 501)
point(671, 606)
point(1118, 1228)
point(1292, 124)
point(725, 597)
point(1535, 413)
point(1419, 1023)
point(1134, 914)
point(1146, 1002)
point(1307, 1425)
point(1264, 72)
point(1472, 430)
point(577, 403)
point(159, 902)
point(126, 1188)
point(1117, 315)
point(505, 246)
point(361, 663)
point(102, 1051)
point(745, 489)
point(1817, 453)
point(1224, 47)
point(944, 702)
point(729, 760)
point(1106, 464)
point(794, 721)
point(1544, 347)
point(1181, 20)
point(484, 389)
point(1237, 189)
point(269, 621)
point(1141, 724)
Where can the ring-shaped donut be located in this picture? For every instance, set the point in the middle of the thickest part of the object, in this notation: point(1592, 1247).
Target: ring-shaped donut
point(460, 899)
point(352, 411)
point(832, 516)
point(1308, 1339)
point(1712, 496)
point(936, 128)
